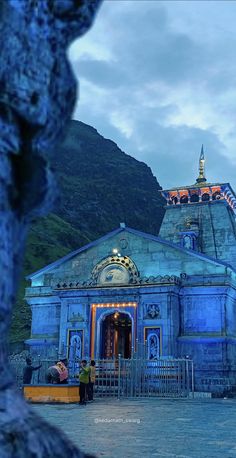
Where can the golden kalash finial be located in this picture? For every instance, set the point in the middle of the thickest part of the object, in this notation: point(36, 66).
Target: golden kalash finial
point(201, 177)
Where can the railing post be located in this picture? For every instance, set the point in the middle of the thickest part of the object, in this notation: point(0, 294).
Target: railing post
point(192, 379)
point(39, 362)
point(119, 375)
point(137, 348)
point(187, 375)
point(145, 350)
point(130, 364)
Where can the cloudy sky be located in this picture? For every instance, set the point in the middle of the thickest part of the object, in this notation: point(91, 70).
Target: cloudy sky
point(159, 78)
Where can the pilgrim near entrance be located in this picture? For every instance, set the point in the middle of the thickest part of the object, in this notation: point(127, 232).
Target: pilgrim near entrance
point(177, 291)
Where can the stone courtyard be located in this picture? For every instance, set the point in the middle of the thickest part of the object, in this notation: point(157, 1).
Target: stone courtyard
point(181, 428)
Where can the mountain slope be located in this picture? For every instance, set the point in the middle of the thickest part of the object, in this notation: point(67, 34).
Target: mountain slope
point(102, 186)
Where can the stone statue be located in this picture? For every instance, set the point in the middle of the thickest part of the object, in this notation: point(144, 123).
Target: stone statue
point(37, 96)
point(153, 346)
point(187, 242)
point(75, 348)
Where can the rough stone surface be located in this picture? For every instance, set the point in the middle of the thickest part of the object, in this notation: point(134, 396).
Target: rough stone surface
point(37, 95)
point(199, 428)
point(28, 440)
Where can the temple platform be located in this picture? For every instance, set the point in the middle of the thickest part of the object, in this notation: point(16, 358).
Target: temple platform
point(51, 393)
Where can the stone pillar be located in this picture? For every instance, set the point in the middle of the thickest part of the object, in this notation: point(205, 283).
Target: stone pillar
point(38, 92)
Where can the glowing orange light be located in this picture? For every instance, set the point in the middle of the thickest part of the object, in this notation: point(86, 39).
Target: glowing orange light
point(216, 188)
point(183, 192)
point(205, 190)
point(117, 304)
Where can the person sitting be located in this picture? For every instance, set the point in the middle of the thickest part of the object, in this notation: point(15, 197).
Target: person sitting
point(58, 373)
point(28, 371)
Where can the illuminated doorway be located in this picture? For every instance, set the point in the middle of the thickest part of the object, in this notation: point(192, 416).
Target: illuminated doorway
point(116, 335)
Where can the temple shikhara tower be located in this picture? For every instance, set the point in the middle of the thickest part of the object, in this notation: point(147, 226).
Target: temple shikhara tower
point(202, 217)
point(175, 292)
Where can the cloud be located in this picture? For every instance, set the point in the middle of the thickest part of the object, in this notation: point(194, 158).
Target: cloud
point(101, 73)
point(159, 78)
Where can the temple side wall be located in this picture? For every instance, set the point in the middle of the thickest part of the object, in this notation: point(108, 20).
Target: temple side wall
point(75, 314)
point(166, 298)
point(208, 336)
point(45, 324)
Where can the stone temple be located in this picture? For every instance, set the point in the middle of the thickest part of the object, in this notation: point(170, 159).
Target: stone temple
point(175, 292)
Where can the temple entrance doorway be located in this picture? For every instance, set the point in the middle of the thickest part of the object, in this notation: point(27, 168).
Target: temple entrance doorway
point(116, 336)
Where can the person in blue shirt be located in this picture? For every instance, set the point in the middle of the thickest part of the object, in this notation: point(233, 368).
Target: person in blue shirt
point(28, 371)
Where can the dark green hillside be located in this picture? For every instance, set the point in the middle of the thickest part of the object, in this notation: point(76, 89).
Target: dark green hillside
point(51, 238)
point(100, 186)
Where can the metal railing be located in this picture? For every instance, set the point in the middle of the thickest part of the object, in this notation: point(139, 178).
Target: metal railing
point(139, 377)
point(161, 377)
point(125, 378)
point(107, 378)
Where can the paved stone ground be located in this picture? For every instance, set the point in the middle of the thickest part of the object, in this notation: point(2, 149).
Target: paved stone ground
point(198, 428)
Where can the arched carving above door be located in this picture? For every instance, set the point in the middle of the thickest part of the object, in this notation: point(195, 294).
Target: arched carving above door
point(115, 270)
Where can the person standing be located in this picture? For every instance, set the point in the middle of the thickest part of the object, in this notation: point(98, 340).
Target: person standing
point(83, 381)
point(92, 376)
point(28, 371)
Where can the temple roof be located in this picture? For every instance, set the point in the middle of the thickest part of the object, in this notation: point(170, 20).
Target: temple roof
point(192, 253)
point(201, 191)
point(200, 185)
point(201, 177)
point(201, 181)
